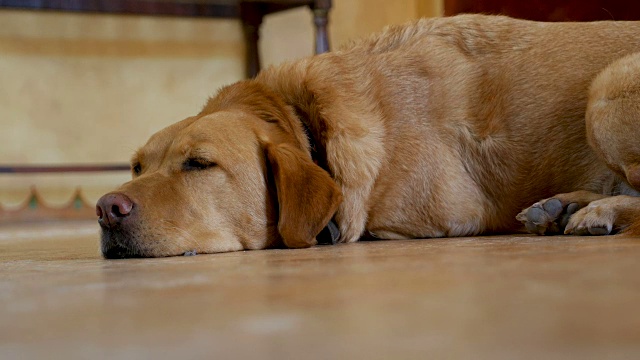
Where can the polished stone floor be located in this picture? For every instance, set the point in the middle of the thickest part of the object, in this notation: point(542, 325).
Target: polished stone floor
point(507, 297)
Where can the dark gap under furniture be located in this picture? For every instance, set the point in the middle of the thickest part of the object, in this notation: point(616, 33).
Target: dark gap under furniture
point(549, 10)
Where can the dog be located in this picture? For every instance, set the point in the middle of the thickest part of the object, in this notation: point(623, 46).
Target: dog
point(443, 127)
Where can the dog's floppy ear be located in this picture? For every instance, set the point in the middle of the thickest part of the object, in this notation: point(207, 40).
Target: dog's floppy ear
point(307, 196)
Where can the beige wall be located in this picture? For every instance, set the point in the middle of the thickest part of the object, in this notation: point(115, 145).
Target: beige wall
point(92, 88)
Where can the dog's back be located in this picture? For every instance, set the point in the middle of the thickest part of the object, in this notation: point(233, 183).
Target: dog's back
point(478, 116)
point(443, 127)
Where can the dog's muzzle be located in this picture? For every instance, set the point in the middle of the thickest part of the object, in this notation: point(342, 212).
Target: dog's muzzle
point(115, 212)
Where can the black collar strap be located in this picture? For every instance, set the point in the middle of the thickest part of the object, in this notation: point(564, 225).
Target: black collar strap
point(313, 148)
point(329, 235)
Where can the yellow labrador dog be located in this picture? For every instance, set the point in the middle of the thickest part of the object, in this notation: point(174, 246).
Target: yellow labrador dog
point(442, 127)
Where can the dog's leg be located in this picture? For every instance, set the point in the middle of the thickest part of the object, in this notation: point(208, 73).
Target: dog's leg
point(354, 158)
point(606, 216)
point(613, 130)
point(612, 118)
point(551, 216)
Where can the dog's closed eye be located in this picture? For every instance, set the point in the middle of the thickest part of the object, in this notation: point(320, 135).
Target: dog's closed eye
point(137, 169)
point(194, 164)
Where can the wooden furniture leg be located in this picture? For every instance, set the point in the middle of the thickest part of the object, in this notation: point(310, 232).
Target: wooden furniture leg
point(252, 15)
point(320, 10)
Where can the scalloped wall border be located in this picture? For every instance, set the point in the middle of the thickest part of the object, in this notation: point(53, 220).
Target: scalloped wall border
point(35, 209)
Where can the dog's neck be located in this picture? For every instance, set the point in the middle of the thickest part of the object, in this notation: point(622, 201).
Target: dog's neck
point(330, 234)
point(313, 147)
point(258, 99)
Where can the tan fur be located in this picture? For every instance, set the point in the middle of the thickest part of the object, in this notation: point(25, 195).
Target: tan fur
point(613, 117)
point(442, 127)
point(307, 196)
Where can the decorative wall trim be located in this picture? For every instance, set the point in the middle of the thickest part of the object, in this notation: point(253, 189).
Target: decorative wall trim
point(35, 209)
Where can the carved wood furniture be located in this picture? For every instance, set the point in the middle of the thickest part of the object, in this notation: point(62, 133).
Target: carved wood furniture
point(250, 12)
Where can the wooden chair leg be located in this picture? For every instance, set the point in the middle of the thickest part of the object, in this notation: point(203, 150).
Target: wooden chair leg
point(252, 15)
point(321, 19)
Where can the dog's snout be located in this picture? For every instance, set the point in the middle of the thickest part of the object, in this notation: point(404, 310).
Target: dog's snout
point(113, 208)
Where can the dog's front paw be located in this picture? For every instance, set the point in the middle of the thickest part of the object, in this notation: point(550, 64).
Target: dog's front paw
point(548, 217)
point(604, 217)
point(591, 220)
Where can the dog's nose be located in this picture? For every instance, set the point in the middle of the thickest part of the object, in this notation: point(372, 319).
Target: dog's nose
point(112, 208)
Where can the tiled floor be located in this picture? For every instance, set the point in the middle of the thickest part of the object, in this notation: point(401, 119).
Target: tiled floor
point(470, 298)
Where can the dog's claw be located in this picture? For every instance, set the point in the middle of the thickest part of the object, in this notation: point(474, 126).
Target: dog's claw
point(533, 228)
point(583, 230)
point(599, 230)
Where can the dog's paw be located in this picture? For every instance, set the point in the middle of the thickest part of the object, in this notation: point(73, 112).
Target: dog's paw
point(548, 217)
point(601, 217)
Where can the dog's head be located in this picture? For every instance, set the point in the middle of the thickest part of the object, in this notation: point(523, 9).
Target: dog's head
point(237, 176)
